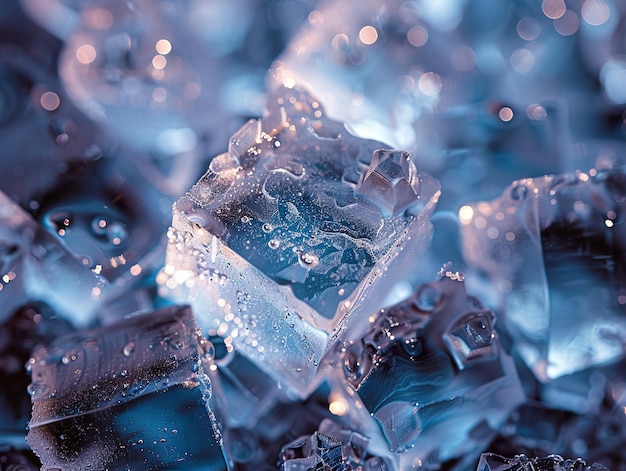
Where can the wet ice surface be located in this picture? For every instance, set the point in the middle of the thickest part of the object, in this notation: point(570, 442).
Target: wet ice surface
point(128, 395)
point(491, 462)
point(554, 247)
point(288, 234)
point(433, 374)
point(308, 369)
point(35, 267)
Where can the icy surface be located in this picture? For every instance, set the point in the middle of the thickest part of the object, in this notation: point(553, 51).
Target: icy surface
point(491, 462)
point(35, 267)
point(433, 374)
point(554, 248)
point(97, 199)
point(288, 234)
point(331, 447)
point(123, 397)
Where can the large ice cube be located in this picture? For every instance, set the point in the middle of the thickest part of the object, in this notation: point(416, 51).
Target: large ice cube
point(291, 231)
point(433, 374)
point(123, 397)
point(35, 267)
point(554, 248)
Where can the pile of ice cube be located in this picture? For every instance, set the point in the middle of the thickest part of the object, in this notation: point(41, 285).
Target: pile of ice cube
point(411, 257)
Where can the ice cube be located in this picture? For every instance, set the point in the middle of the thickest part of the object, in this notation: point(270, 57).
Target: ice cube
point(123, 397)
point(35, 267)
point(433, 374)
point(99, 200)
point(285, 237)
point(554, 249)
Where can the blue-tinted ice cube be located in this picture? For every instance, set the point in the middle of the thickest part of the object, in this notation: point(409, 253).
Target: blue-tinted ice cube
point(492, 462)
point(123, 397)
point(287, 235)
point(386, 69)
point(432, 372)
point(98, 199)
point(554, 249)
point(35, 267)
point(331, 447)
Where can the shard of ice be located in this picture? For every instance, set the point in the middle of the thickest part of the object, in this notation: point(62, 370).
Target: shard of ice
point(433, 374)
point(554, 249)
point(127, 396)
point(290, 232)
point(35, 267)
point(330, 447)
point(492, 462)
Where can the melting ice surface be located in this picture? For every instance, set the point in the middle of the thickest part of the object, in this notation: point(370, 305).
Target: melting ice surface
point(554, 248)
point(124, 396)
point(289, 232)
point(433, 374)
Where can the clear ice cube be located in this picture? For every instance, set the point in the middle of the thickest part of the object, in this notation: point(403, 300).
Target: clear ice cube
point(35, 267)
point(286, 235)
point(126, 396)
point(554, 249)
point(433, 374)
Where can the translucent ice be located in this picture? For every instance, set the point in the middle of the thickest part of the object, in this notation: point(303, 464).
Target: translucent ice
point(124, 397)
point(432, 373)
point(331, 447)
point(35, 267)
point(288, 234)
point(491, 462)
point(96, 198)
point(29, 326)
point(554, 249)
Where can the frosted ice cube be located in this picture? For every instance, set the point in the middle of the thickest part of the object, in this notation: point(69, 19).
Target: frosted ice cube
point(554, 248)
point(35, 267)
point(284, 237)
point(432, 373)
point(124, 396)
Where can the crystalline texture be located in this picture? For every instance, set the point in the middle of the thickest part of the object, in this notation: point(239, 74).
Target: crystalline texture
point(35, 267)
point(390, 181)
point(123, 397)
point(492, 462)
point(287, 234)
point(432, 372)
point(555, 247)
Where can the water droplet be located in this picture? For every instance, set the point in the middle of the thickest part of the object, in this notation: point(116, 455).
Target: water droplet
point(267, 227)
point(308, 261)
point(128, 349)
point(274, 244)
